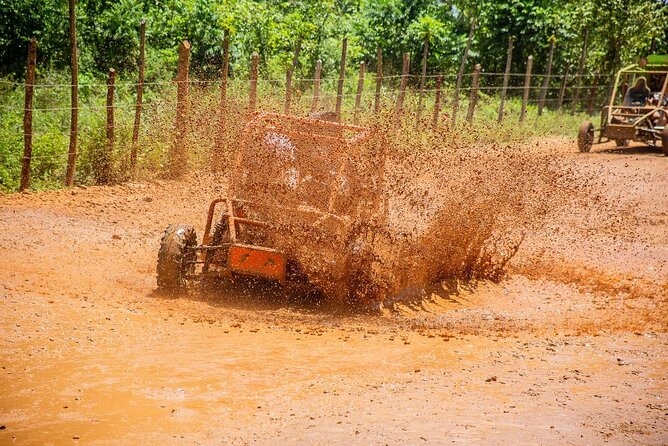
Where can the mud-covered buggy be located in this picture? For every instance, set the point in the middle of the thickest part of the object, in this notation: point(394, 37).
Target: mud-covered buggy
point(638, 112)
point(305, 202)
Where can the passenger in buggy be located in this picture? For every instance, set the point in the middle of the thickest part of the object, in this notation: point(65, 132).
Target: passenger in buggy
point(637, 95)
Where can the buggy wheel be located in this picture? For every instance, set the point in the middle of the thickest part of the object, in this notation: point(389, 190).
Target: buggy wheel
point(175, 250)
point(664, 141)
point(622, 142)
point(585, 137)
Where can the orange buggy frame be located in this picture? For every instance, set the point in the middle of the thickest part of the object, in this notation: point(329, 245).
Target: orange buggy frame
point(227, 249)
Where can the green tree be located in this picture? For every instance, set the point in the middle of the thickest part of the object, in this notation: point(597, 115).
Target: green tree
point(20, 20)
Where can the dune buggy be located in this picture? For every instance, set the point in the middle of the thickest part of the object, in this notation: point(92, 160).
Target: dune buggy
point(636, 113)
point(305, 198)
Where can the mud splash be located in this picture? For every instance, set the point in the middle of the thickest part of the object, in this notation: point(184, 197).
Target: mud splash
point(464, 211)
point(384, 215)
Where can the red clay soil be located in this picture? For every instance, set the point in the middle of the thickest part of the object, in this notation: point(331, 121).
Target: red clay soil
point(571, 347)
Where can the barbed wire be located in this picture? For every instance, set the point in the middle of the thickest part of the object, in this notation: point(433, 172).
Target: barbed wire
point(21, 157)
point(294, 80)
point(296, 97)
point(145, 105)
point(388, 96)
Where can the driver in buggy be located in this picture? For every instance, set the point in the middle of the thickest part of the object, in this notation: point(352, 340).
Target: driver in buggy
point(284, 155)
point(636, 96)
point(642, 95)
point(304, 169)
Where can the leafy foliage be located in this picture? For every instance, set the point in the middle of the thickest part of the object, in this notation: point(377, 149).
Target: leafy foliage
point(620, 32)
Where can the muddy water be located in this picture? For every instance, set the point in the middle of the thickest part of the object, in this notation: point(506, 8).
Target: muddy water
point(161, 377)
point(569, 347)
point(142, 377)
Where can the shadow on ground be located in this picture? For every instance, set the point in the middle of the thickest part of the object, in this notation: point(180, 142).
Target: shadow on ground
point(634, 150)
point(256, 295)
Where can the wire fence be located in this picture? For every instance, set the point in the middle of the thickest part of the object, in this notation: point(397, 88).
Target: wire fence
point(304, 91)
point(192, 118)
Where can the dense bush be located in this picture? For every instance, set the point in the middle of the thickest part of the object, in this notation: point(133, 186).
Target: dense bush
point(620, 32)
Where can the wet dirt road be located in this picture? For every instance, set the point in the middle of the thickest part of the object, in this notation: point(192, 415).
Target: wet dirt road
point(570, 348)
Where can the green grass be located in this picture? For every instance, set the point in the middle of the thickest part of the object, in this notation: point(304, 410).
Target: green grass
point(51, 126)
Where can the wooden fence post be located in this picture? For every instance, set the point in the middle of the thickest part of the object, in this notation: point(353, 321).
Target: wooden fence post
point(437, 101)
point(506, 76)
point(379, 79)
point(342, 77)
point(179, 156)
point(216, 159)
point(358, 95)
point(252, 83)
point(402, 89)
point(104, 173)
point(473, 99)
point(592, 94)
point(527, 87)
point(140, 96)
point(423, 77)
point(562, 91)
point(27, 116)
point(581, 66)
point(288, 77)
point(288, 92)
point(316, 87)
point(460, 74)
point(74, 117)
point(546, 79)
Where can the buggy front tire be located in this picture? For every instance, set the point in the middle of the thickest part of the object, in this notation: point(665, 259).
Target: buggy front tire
point(176, 249)
point(664, 141)
point(585, 137)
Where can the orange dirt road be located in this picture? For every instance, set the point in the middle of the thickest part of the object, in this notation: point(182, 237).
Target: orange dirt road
point(570, 348)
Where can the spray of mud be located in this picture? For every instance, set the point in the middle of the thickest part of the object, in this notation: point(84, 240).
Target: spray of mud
point(463, 210)
point(380, 214)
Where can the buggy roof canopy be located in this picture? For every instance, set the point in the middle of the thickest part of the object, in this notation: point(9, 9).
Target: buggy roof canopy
point(657, 60)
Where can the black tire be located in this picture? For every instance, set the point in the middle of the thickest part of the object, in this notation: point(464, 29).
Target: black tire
point(622, 142)
point(664, 140)
point(585, 137)
point(175, 249)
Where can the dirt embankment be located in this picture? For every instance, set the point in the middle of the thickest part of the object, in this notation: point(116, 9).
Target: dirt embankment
point(569, 348)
